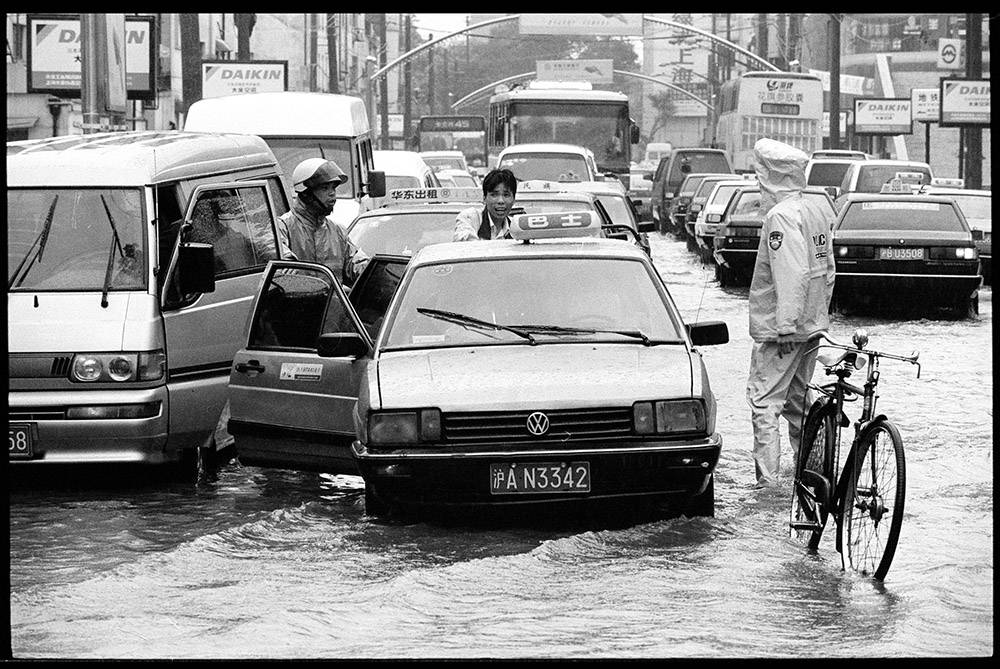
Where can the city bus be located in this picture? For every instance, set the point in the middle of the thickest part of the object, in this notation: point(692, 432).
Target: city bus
point(455, 133)
point(784, 106)
point(567, 113)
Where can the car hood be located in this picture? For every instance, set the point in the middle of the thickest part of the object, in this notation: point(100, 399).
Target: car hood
point(548, 375)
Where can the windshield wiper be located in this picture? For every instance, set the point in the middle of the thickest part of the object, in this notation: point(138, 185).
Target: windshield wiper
point(41, 239)
point(462, 319)
point(557, 329)
point(115, 243)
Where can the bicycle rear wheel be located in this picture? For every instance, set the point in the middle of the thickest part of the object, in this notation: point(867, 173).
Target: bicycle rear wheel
point(873, 501)
point(810, 494)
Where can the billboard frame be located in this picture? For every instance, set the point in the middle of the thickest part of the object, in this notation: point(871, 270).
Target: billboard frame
point(941, 113)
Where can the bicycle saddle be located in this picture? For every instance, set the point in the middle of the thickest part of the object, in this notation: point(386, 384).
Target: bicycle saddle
point(834, 358)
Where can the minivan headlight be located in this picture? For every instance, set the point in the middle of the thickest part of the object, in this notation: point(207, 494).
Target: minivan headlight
point(118, 367)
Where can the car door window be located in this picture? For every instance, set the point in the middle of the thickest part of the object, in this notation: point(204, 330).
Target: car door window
point(238, 223)
point(295, 306)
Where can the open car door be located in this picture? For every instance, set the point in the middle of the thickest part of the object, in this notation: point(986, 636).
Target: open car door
point(291, 393)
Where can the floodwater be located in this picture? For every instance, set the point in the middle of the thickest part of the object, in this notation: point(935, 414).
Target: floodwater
point(264, 563)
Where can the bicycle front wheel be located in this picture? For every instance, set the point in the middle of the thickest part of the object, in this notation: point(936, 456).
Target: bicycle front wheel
point(875, 475)
point(810, 499)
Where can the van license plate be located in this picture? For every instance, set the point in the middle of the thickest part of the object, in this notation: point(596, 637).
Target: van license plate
point(539, 477)
point(901, 254)
point(21, 441)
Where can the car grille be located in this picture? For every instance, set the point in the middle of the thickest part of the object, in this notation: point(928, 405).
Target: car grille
point(512, 426)
point(38, 366)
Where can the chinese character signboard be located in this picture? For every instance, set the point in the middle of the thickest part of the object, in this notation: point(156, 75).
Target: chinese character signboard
point(594, 71)
point(882, 116)
point(228, 77)
point(54, 57)
point(926, 104)
point(682, 59)
point(965, 102)
point(580, 24)
point(849, 84)
point(452, 123)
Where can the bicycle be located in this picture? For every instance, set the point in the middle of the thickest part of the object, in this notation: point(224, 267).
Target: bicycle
point(872, 486)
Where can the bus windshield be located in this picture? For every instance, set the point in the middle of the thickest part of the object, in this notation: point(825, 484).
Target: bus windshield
point(602, 128)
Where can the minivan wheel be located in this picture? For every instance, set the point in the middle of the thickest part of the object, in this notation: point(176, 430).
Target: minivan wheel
point(374, 506)
point(702, 504)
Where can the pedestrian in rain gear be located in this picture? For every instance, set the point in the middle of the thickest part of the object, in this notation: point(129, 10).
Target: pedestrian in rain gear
point(492, 221)
point(789, 301)
point(305, 232)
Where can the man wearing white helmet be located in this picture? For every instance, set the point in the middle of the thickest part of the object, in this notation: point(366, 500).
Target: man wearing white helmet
point(789, 301)
point(305, 231)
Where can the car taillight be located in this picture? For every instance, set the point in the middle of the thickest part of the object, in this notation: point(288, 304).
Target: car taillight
point(952, 253)
point(854, 251)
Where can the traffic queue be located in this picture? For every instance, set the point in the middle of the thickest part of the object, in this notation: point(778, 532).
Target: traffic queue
point(156, 311)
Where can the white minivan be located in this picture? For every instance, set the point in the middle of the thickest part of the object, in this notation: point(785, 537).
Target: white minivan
point(299, 125)
point(132, 261)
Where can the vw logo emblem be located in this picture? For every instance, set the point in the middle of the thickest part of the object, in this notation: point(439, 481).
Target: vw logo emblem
point(538, 423)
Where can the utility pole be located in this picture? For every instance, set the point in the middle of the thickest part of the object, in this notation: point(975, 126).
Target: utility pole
point(430, 76)
point(833, 26)
point(713, 76)
point(794, 35)
point(313, 49)
point(331, 53)
point(728, 54)
point(89, 93)
point(762, 35)
point(407, 84)
point(783, 42)
point(383, 83)
point(973, 70)
point(244, 29)
point(190, 59)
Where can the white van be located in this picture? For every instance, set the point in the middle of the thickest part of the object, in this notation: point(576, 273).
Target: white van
point(132, 261)
point(655, 151)
point(299, 125)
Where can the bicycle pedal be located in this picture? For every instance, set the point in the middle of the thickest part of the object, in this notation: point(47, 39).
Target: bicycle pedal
point(805, 525)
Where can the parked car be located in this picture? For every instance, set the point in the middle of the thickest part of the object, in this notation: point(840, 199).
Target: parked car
point(737, 239)
point(869, 176)
point(484, 385)
point(977, 207)
point(697, 203)
point(898, 247)
point(132, 259)
point(549, 162)
point(679, 205)
point(838, 154)
point(640, 190)
point(709, 219)
point(671, 172)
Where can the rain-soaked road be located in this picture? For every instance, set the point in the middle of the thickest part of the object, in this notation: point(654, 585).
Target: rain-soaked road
point(261, 563)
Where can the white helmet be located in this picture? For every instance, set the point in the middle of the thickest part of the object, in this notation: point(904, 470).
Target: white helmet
point(312, 172)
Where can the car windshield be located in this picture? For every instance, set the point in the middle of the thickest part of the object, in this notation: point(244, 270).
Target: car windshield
point(65, 238)
point(463, 180)
point(402, 233)
point(722, 194)
point(746, 206)
point(690, 186)
point(873, 177)
point(901, 215)
point(704, 190)
point(393, 181)
point(617, 209)
point(977, 210)
point(444, 163)
point(608, 294)
point(547, 166)
point(290, 151)
point(698, 161)
point(827, 174)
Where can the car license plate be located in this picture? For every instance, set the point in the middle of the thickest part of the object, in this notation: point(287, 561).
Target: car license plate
point(539, 477)
point(21, 441)
point(900, 254)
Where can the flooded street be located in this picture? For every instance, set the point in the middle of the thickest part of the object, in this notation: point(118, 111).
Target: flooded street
point(265, 563)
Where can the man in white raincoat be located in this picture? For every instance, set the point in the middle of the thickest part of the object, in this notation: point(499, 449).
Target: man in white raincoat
point(789, 301)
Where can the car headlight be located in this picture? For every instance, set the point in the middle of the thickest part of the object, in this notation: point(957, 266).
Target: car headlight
point(404, 427)
point(669, 417)
point(118, 367)
point(713, 218)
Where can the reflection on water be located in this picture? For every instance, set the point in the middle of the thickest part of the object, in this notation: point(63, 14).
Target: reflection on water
point(256, 563)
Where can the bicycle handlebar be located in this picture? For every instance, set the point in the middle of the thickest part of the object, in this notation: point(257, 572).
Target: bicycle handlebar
point(912, 358)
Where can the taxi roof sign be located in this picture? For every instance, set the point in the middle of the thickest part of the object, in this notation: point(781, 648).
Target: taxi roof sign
point(911, 177)
point(527, 227)
point(896, 185)
point(948, 182)
point(400, 196)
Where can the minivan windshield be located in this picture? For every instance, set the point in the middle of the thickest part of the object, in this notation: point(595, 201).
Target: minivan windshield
point(290, 151)
point(548, 166)
point(607, 294)
point(61, 239)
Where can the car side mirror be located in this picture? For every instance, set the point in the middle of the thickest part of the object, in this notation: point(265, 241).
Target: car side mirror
point(708, 333)
point(341, 345)
point(196, 268)
point(376, 184)
point(646, 226)
point(634, 136)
